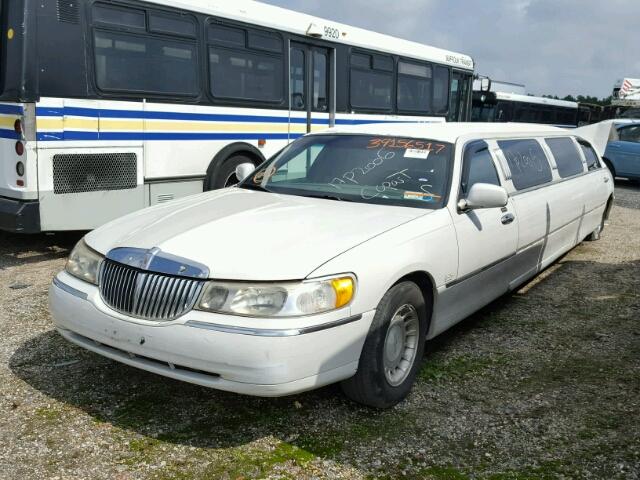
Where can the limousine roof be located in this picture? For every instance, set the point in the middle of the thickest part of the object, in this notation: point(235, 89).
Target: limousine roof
point(447, 132)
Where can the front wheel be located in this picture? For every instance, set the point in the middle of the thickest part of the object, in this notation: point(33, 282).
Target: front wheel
point(393, 349)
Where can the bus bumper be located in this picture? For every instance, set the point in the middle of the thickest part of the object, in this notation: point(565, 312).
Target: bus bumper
point(19, 216)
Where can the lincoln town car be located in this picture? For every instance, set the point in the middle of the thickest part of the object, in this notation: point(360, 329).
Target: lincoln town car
point(336, 260)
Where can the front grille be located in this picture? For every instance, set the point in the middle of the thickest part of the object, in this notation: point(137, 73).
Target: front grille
point(77, 173)
point(147, 295)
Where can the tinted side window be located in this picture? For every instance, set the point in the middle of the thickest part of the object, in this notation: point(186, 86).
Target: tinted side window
point(371, 82)
point(440, 90)
point(478, 167)
point(591, 156)
point(243, 75)
point(630, 134)
point(139, 63)
point(567, 156)
point(414, 87)
point(120, 16)
point(246, 65)
point(528, 163)
point(172, 24)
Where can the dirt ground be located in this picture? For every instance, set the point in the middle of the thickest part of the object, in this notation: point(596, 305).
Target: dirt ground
point(543, 383)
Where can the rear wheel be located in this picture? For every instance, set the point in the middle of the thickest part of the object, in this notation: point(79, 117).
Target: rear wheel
point(226, 174)
point(393, 349)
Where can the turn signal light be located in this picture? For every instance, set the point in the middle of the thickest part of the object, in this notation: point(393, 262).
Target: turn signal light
point(344, 290)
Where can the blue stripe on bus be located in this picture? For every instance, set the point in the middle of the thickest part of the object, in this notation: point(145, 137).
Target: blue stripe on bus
point(11, 109)
point(150, 115)
point(137, 136)
point(11, 134)
point(204, 117)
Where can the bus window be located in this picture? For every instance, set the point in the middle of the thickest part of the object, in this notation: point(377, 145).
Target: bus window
point(440, 90)
point(370, 87)
point(298, 100)
point(251, 70)
point(139, 63)
point(414, 87)
point(320, 84)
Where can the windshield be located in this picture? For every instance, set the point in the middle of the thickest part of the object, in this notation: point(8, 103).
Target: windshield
point(367, 169)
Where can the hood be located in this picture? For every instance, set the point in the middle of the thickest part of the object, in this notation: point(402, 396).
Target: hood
point(249, 235)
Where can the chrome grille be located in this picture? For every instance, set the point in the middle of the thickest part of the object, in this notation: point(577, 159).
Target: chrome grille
point(147, 295)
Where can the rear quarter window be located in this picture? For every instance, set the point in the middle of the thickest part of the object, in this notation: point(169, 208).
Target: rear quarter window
point(590, 155)
point(567, 156)
point(528, 164)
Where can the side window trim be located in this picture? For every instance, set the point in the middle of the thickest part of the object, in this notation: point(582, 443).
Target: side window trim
point(471, 148)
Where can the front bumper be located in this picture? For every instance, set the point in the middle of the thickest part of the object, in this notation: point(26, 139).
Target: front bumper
point(211, 351)
point(19, 216)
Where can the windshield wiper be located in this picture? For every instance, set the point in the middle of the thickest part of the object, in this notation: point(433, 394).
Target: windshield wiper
point(254, 186)
point(328, 197)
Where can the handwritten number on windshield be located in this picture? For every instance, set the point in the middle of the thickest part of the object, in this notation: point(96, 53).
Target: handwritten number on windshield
point(405, 144)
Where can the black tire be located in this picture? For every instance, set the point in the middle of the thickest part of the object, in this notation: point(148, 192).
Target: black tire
point(370, 385)
point(226, 174)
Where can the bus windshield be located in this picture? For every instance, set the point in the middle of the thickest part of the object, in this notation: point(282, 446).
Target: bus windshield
point(359, 168)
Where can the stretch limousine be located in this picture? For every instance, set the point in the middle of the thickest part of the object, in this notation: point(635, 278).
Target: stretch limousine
point(335, 260)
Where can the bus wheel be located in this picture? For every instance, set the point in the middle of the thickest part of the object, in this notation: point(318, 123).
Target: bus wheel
point(226, 174)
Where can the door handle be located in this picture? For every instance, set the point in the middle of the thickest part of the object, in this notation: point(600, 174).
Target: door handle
point(508, 218)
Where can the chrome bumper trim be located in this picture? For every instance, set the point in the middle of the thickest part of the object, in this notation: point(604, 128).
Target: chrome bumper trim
point(70, 290)
point(261, 332)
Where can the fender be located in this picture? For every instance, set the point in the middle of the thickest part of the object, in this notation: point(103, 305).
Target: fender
point(226, 153)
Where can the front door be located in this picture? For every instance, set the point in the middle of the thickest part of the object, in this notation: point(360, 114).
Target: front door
point(459, 97)
point(311, 93)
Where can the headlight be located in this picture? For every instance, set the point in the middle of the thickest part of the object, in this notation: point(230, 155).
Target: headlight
point(84, 263)
point(278, 300)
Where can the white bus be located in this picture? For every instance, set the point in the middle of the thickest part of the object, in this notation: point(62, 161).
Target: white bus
point(512, 107)
point(109, 106)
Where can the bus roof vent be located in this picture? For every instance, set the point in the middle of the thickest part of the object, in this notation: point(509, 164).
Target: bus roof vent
point(69, 11)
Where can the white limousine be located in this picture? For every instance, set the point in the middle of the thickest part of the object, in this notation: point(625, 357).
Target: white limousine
point(335, 260)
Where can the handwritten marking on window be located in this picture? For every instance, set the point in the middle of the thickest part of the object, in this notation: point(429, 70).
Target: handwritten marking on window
point(405, 144)
point(354, 175)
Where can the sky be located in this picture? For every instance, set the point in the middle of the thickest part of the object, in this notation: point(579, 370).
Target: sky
point(554, 47)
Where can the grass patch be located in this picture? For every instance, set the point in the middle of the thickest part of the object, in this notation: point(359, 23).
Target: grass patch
point(443, 368)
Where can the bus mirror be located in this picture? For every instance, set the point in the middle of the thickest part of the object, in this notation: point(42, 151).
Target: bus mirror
point(244, 170)
point(485, 84)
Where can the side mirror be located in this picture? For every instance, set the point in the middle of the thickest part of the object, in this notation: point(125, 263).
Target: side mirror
point(244, 170)
point(484, 195)
point(485, 84)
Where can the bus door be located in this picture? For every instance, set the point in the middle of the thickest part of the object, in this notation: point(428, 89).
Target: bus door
point(311, 99)
point(460, 97)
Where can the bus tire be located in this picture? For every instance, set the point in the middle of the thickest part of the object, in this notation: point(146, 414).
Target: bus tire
point(225, 175)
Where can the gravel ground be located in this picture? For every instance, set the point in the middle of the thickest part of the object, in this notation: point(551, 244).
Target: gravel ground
point(543, 383)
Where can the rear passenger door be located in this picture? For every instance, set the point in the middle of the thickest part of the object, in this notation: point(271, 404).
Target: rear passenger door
point(627, 151)
point(529, 170)
point(487, 238)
